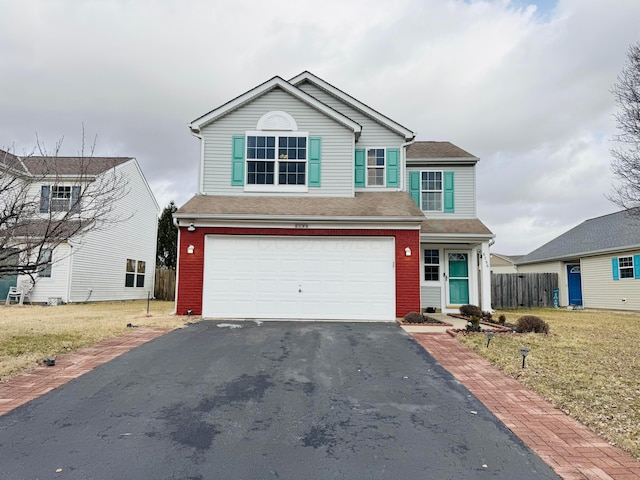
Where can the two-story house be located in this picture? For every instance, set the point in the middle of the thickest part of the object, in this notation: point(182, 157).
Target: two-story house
point(312, 205)
point(104, 218)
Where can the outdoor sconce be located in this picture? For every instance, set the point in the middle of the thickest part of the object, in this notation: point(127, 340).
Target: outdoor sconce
point(191, 227)
point(489, 338)
point(190, 249)
point(407, 252)
point(524, 351)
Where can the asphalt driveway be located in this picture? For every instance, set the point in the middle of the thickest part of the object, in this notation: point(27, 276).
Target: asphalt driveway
point(277, 400)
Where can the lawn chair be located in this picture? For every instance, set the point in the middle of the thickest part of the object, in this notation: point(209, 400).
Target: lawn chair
point(15, 296)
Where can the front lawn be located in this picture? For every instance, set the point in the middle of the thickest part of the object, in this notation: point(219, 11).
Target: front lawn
point(589, 366)
point(29, 334)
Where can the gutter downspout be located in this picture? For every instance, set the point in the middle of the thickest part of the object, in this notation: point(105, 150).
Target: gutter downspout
point(201, 168)
point(403, 162)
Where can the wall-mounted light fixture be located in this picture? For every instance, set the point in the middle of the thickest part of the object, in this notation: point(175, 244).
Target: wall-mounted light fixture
point(190, 249)
point(407, 252)
point(191, 227)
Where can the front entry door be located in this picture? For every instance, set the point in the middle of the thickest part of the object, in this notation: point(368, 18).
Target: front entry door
point(574, 280)
point(458, 278)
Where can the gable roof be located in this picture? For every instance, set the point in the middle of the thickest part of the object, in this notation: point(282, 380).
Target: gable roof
point(365, 205)
point(448, 226)
point(71, 165)
point(432, 150)
point(507, 258)
point(307, 76)
point(11, 161)
point(609, 233)
point(276, 82)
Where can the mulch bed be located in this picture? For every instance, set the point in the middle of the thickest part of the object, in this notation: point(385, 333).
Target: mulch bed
point(428, 321)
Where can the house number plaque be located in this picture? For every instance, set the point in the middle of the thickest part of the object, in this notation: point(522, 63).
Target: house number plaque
point(302, 225)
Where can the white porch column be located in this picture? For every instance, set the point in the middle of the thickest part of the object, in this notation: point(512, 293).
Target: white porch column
point(485, 278)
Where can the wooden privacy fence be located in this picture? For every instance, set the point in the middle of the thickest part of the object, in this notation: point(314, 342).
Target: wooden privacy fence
point(513, 290)
point(165, 286)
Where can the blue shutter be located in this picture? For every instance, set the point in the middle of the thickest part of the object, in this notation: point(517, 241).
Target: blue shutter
point(449, 204)
point(614, 268)
point(237, 161)
point(636, 266)
point(75, 198)
point(414, 187)
point(315, 146)
point(393, 170)
point(360, 168)
point(44, 198)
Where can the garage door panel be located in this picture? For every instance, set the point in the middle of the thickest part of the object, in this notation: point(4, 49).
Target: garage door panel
point(302, 277)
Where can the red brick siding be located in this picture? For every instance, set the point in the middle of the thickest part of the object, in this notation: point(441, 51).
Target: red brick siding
point(191, 266)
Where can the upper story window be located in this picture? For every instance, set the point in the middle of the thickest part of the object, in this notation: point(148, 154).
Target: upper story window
point(431, 189)
point(277, 159)
point(59, 198)
point(375, 167)
point(625, 264)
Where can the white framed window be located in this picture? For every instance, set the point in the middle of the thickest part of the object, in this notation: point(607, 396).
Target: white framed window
point(376, 163)
point(59, 198)
point(135, 271)
point(276, 159)
point(431, 191)
point(625, 266)
point(431, 265)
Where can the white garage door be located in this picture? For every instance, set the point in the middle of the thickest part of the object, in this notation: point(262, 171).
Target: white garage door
point(329, 278)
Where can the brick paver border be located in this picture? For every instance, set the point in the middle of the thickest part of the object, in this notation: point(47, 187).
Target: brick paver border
point(42, 379)
point(571, 449)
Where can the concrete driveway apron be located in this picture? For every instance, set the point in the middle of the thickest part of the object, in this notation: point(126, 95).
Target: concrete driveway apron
point(273, 400)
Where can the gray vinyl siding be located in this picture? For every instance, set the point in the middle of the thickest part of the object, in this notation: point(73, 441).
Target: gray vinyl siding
point(464, 190)
point(600, 290)
point(373, 133)
point(336, 153)
point(430, 296)
point(99, 258)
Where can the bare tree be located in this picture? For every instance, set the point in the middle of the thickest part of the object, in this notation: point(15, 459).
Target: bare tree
point(48, 199)
point(626, 157)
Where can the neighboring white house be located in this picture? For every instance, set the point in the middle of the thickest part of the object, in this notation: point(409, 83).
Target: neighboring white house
point(597, 262)
point(115, 262)
point(313, 205)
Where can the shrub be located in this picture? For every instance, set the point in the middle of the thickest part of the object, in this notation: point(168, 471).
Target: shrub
point(473, 325)
point(531, 324)
point(471, 311)
point(414, 317)
point(502, 319)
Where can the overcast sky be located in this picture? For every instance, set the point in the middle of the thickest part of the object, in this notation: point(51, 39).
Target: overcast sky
point(524, 85)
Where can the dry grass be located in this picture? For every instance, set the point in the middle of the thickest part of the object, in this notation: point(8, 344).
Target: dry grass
point(29, 334)
point(588, 366)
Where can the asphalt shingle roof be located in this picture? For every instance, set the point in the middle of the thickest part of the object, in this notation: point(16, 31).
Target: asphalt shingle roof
point(616, 231)
point(71, 165)
point(436, 150)
point(365, 204)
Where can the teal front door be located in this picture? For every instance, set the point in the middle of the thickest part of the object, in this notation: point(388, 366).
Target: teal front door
point(458, 265)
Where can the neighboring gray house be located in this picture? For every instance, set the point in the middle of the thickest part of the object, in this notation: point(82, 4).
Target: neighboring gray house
point(597, 262)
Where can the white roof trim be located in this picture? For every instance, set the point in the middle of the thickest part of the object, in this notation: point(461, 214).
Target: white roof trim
point(246, 97)
point(380, 118)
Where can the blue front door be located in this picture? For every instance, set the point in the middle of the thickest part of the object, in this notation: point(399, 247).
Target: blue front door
point(575, 285)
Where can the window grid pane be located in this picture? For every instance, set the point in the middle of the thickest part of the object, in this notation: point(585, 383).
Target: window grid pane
point(431, 191)
point(626, 267)
point(291, 173)
point(431, 265)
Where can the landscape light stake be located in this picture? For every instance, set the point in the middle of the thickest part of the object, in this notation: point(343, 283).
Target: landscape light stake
point(489, 338)
point(524, 351)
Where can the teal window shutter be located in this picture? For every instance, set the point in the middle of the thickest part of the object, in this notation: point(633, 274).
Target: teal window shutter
point(393, 169)
point(414, 187)
point(360, 168)
point(449, 204)
point(237, 161)
point(315, 144)
point(636, 266)
point(614, 268)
